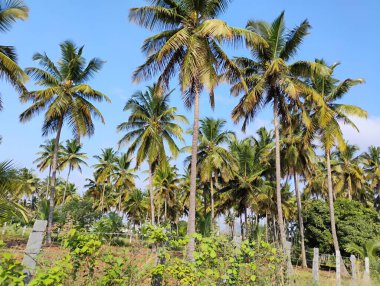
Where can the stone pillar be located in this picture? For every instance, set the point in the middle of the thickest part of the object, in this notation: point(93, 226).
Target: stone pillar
point(337, 262)
point(33, 247)
point(354, 277)
point(366, 277)
point(289, 267)
point(316, 266)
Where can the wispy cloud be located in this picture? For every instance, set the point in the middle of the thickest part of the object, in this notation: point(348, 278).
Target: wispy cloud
point(369, 132)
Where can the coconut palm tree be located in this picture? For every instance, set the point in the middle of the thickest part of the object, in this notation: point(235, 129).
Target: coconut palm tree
point(45, 159)
point(188, 45)
point(104, 171)
point(271, 79)
point(65, 192)
point(136, 207)
point(124, 177)
point(328, 118)
point(65, 99)
point(247, 183)
point(214, 160)
point(298, 157)
point(152, 123)
point(370, 249)
point(73, 158)
point(166, 183)
point(10, 12)
point(349, 173)
point(371, 165)
point(9, 206)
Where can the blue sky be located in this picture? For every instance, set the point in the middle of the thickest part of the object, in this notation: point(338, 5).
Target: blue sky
point(343, 30)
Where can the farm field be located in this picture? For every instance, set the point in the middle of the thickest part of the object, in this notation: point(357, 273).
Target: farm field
point(189, 142)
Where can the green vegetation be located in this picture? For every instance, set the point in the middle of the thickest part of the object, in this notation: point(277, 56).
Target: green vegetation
point(300, 182)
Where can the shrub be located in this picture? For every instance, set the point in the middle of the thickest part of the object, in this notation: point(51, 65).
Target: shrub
point(80, 211)
point(354, 222)
point(84, 248)
point(11, 271)
point(107, 226)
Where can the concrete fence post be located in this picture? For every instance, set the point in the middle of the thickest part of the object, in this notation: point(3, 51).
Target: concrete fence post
point(316, 266)
point(354, 277)
point(289, 266)
point(4, 228)
point(366, 277)
point(337, 262)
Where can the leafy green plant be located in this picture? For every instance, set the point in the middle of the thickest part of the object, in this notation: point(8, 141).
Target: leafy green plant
point(84, 248)
point(107, 226)
point(55, 275)
point(11, 271)
point(218, 261)
point(119, 271)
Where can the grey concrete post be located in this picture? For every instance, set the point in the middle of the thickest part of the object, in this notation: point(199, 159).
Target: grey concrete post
point(366, 277)
point(316, 266)
point(33, 247)
point(354, 277)
point(4, 228)
point(288, 246)
point(337, 261)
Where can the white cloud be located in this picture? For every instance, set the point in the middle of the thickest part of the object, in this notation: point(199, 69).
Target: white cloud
point(369, 132)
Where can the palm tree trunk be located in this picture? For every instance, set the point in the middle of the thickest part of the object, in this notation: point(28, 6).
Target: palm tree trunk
point(151, 193)
point(212, 203)
point(48, 183)
point(158, 212)
point(53, 179)
point(300, 220)
point(165, 209)
point(280, 219)
point(246, 222)
point(349, 189)
point(102, 199)
point(241, 226)
point(120, 197)
point(193, 177)
point(343, 270)
point(266, 226)
point(67, 181)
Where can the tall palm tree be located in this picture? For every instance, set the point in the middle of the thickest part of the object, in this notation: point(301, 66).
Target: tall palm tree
point(328, 118)
point(136, 206)
point(166, 182)
point(73, 158)
point(10, 12)
point(123, 176)
point(45, 159)
point(104, 171)
point(188, 45)
point(298, 153)
point(271, 79)
point(350, 175)
point(152, 123)
point(214, 160)
point(371, 165)
point(248, 184)
point(9, 206)
point(65, 98)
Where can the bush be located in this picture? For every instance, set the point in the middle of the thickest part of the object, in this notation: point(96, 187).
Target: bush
point(108, 226)
point(219, 262)
point(84, 248)
point(81, 212)
point(354, 222)
point(11, 271)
